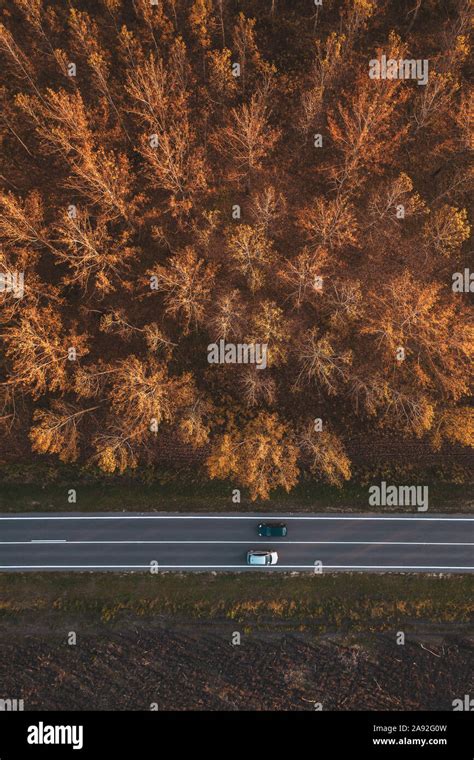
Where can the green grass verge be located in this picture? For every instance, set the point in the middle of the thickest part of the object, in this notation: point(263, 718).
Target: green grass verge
point(349, 602)
point(118, 495)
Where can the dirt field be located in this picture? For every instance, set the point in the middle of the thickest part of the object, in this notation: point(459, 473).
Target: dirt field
point(198, 668)
point(170, 640)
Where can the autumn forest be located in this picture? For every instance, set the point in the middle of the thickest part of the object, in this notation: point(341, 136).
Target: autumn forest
point(181, 173)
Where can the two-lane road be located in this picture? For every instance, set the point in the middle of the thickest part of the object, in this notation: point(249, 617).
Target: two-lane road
point(137, 541)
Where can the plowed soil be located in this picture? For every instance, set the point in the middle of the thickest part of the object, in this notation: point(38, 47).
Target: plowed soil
point(197, 667)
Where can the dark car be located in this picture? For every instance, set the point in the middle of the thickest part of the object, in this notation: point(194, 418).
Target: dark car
point(269, 530)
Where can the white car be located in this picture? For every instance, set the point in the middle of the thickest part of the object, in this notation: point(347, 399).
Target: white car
point(255, 557)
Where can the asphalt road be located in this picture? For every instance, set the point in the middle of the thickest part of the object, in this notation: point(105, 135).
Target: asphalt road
point(132, 541)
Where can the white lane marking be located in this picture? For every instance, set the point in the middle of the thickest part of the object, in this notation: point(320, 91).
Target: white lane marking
point(255, 541)
point(239, 517)
point(233, 567)
point(40, 541)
